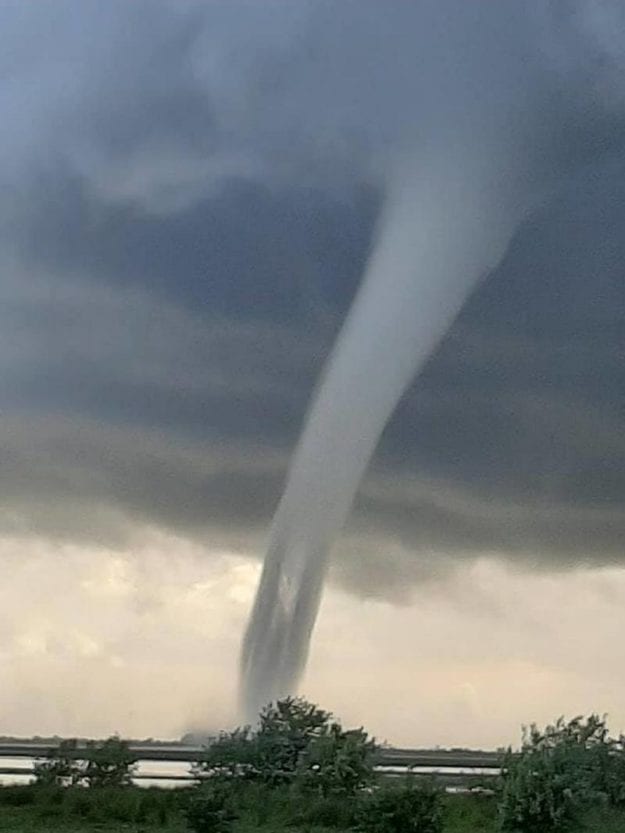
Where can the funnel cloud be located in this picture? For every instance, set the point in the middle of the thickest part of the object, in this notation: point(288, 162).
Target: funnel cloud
point(448, 219)
point(445, 225)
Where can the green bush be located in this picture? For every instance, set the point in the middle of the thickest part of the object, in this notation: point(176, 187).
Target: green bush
point(295, 742)
point(270, 753)
point(260, 803)
point(337, 762)
point(286, 730)
point(109, 763)
point(127, 805)
point(209, 810)
point(233, 755)
point(60, 767)
point(79, 803)
point(324, 811)
point(475, 813)
point(413, 808)
point(558, 774)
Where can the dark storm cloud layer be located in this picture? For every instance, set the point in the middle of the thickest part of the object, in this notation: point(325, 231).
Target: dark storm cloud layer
point(171, 286)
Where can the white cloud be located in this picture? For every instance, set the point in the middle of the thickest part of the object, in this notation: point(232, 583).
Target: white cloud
point(145, 641)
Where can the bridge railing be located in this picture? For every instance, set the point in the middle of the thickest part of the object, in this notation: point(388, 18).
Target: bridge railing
point(453, 767)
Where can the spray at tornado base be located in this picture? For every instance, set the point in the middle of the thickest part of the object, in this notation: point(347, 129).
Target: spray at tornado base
point(452, 205)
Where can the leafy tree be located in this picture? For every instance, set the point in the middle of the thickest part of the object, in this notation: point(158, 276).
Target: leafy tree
point(286, 730)
point(337, 762)
point(109, 764)
point(61, 768)
point(559, 773)
point(231, 755)
point(272, 752)
point(295, 741)
point(295, 719)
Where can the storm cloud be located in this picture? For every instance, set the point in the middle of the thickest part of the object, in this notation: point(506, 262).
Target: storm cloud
point(187, 199)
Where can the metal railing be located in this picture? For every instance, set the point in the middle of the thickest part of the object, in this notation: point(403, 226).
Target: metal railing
point(453, 767)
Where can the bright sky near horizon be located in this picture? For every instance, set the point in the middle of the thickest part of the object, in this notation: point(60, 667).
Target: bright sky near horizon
point(145, 642)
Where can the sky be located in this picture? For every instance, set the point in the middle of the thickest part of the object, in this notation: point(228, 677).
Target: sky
point(188, 196)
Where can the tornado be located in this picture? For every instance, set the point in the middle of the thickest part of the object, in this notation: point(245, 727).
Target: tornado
point(447, 220)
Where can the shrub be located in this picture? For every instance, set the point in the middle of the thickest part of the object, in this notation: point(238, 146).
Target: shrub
point(209, 810)
point(559, 773)
point(476, 812)
point(413, 808)
point(259, 802)
point(121, 804)
point(113, 803)
point(60, 767)
point(294, 741)
point(105, 764)
point(286, 730)
point(79, 803)
point(231, 755)
point(109, 764)
point(337, 762)
point(324, 811)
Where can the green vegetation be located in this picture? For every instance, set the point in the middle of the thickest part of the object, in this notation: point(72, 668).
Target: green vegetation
point(42, 808)
point(300, 771)
point(106, 764)
point(296, 743)
point(412, 808)
point(559, 774)
point(61, 767)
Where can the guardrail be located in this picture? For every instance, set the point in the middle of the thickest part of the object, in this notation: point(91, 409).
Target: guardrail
point(455, 768)
point(437, 758)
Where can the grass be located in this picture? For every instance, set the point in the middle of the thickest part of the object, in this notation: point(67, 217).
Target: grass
point(25, 821)
point(36, 810)
point(26, 810)
point(470, 814)
point(603, 821)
